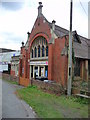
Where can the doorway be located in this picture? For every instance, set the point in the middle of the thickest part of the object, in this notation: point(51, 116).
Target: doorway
point(36, 71)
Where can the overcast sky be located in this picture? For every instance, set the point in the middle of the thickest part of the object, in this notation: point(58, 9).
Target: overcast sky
point(18, 17)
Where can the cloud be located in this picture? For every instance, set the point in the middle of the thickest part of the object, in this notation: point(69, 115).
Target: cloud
point(18, 18)
point(10, 40)
point(11, 37)
point(13, 6)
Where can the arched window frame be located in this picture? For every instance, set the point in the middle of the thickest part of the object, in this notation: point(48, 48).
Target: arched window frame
point(40, 48)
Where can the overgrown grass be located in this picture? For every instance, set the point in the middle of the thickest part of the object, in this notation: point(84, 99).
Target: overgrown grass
point(51, 106)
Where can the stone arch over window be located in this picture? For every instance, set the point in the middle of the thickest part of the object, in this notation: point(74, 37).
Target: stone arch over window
point(39, 47)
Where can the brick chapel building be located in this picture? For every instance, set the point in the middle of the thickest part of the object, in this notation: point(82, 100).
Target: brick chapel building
point(45, 53)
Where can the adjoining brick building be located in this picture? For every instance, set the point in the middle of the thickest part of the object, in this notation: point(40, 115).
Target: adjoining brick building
point(46, 53)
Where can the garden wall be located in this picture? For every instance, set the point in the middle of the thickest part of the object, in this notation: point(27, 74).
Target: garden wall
point(10, 77)
point(49, 87)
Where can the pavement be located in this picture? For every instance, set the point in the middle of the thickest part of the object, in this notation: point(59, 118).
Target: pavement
point(12, 106)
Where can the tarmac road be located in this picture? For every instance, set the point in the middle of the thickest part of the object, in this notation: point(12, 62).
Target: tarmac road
point(13, 107)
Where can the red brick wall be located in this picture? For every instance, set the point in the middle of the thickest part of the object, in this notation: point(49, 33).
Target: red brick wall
point(42, 29)
point(39, 29)
point(23, 61)
point(12, 72)
point(57, 62)
point(24, 81)
point(50, 62)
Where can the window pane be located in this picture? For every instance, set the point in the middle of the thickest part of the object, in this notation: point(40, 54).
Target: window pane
point(39, 51)
point(35, 52)
point(47, 51)
point(43, 51)
point(32, 53)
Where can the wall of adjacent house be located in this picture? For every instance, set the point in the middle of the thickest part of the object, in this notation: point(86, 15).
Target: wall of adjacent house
point(84, 69)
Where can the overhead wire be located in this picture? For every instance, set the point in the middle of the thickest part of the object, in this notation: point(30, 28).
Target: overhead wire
point(83, 8)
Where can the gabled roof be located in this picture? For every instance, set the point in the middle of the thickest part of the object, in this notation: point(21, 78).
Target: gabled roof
point(59, 31)
point(80, 45)
point(82, 49)
point(2, 50)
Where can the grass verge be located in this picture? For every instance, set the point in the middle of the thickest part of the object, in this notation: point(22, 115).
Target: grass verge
point(12, 82)
point(51, 106)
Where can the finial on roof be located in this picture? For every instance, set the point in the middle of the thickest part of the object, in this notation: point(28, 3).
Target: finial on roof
point(22, 44)
point(53, 21)
point(40, 9)
point(53, 24)
point(40, 3)
point(28, 34)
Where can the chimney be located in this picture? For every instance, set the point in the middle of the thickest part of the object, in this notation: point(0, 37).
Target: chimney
point(28, 34)
point(40, 9)
point(53, 24)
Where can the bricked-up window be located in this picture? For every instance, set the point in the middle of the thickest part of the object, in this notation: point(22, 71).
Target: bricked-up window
point(43, 51)
point(35, 52)
point(46, 50)
point(39, 51)
point(32, 53)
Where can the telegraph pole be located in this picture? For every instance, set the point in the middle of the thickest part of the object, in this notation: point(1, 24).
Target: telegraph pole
point(70, 54)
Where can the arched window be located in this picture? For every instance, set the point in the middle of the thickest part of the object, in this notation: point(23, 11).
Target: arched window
point(32, 53)
point(46, 50)
point(43, 51)
point(35, 52)
point(39, 51)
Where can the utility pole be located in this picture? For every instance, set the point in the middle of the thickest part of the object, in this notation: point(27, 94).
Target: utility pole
point(70, 54)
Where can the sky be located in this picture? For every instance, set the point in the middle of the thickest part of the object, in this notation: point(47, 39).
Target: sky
point(17, 17)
